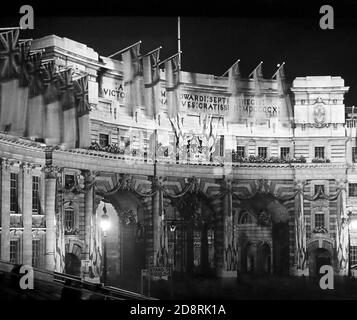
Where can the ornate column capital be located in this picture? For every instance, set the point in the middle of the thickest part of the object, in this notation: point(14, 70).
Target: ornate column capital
point(300, 184)
point(51, 172)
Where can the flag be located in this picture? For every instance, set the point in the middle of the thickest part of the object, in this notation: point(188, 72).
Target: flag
point(36, 106)
point(131, 73)
point(260, 116)
point(179, 134)
point(83, 108)
point(152, 89)
point(283, 92)
point(172, 76)
point(257, 77)
point(69, 117)
point(235, 112)
point(9, 72)
point(53, 114)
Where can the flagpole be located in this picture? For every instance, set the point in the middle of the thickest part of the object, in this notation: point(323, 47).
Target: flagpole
point(279, 67)
point(179, 40)
point(230, 68)
point(169, 58)
point(152, 51)
point(255, 69)
point(125, 49)
point(10, 28)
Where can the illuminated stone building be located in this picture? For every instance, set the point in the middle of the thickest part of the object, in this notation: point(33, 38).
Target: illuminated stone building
point(274, 195)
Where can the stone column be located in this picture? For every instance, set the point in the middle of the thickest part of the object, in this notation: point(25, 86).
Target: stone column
point(156, 216)
point(27, 213)
point(88, 212)
point(5, 210)
point(50, 202)
point(229, 252)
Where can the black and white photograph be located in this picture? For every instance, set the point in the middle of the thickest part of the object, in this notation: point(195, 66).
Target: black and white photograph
point(185, 152)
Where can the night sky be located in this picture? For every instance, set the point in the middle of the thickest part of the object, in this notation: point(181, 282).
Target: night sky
point(213, 35)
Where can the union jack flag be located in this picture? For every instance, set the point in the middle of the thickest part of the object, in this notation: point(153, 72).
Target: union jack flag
point(50, 81)
point(36, 82)
point(25, 66)
point(9, 54)
point(66, 88)
point(81, 92)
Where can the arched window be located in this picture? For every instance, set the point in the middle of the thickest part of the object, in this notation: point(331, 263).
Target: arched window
point(246, 218)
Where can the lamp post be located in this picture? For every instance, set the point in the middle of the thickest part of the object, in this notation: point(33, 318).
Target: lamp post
point(105, 225)
point(352, 226)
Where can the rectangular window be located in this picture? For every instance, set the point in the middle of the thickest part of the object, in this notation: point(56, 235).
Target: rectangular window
point(36, 253)
point(241, 151)
point(69, 181)
point(221, 146)
point(319, 220)
point(36, 208)
point(14, 207)
point(319, 186)
point(14, 251)
point(320, 152)
point(352, 189)
point(103, 139)
point(262, 152)
point(354, 154)
point(353, 252)
point(284, 152)
point(69, 219)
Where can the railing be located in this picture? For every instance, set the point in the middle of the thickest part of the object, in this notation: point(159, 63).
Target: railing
point(351, 123)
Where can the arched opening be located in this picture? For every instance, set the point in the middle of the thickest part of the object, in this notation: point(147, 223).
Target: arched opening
point(264, 259)
point(249, 258)
point(72, 264)
point(317, 258)
point(195, 235)
point(264, 219)
point(126, 254)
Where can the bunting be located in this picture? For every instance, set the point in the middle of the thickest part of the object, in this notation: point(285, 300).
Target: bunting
point(132, 71)
point(152, 89)
point(172, 76)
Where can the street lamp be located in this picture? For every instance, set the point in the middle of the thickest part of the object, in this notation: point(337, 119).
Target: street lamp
point(105, 225)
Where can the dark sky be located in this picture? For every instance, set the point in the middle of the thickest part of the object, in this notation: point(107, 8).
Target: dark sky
point(213, 35)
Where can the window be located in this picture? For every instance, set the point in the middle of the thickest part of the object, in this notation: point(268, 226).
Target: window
point(353, 253)
point(241, 151)
point(69, 219)
point(68, 181)
point(246, 219)
point(14, 207)
point(352, 189)
point(320, 152)
point(262, 152)
point(124, 139)
point(221, 146)
point(319, 220)
point(284, 152)
point(36, 253)
point(354, 154)
point(103, 139)
point(36, 195)
point(14, 251)
point(319, 186)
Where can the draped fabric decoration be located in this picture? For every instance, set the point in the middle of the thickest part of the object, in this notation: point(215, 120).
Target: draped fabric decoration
point(18, 124)
point(300, 230)
point(172, 78)
point(152, 88)
point(9, 74)
point(35, 108)
point(60, 243)
point(342, 231)
point(95, 254)
point(69, 126)
point(179, 134)
point(131, 74)
point(260, 99)
point(286, 110)
point(53, 114)
point(235, 112)
point(209, 133)
point(83, 108)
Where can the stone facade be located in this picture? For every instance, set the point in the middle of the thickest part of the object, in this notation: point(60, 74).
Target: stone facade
point(272, 197)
